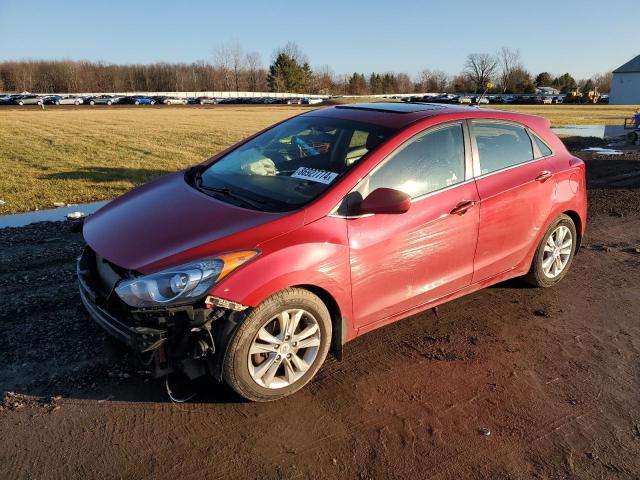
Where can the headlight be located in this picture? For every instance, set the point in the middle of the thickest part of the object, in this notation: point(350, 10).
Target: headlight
point(180, 284)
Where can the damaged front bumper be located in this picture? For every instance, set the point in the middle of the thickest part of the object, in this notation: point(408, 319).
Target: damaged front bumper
point(181, 338)
point(138, 338)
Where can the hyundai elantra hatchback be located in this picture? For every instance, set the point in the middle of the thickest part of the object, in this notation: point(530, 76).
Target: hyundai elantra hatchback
point(254, 265)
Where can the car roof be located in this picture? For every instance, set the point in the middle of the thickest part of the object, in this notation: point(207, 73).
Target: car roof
point(399, 115)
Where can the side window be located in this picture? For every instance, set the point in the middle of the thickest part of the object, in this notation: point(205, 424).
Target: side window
point(501, 145)
point(433, 161)
point(544, 149)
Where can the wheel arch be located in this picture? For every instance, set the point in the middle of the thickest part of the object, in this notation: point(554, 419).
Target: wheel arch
point(577, 220)
point(339, 326)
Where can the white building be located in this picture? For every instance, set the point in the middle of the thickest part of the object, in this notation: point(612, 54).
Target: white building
point(625, 87)
point(547, 91)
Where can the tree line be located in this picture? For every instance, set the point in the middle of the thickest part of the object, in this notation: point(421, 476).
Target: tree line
point(233, 69)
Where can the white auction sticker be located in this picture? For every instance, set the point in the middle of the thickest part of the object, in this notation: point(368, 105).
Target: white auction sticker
point(321, 176)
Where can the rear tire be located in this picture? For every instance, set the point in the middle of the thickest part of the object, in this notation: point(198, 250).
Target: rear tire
point(271, 336)
point(554, 254)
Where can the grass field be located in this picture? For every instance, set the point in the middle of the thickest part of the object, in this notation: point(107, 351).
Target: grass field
point(74, 155)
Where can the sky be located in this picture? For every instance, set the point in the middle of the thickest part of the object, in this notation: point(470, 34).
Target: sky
point(580, 37)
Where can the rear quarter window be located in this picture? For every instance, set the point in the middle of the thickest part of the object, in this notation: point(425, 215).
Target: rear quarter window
point(501, 145)
point(544, 149)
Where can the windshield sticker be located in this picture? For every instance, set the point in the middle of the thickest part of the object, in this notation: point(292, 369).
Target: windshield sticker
point(320, 176)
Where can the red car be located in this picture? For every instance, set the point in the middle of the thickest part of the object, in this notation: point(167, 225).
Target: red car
point(255, 264)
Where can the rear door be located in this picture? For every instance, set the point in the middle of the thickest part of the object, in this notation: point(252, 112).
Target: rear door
point(516, 191)
point(399, 262)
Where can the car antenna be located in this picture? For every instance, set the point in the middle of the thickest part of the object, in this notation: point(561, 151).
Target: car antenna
point(487, 86)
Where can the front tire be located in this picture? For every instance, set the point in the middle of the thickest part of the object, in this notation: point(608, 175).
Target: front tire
point(279, 347)
point(554, 254)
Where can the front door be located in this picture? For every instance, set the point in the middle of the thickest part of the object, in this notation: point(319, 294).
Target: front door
point(399, 262)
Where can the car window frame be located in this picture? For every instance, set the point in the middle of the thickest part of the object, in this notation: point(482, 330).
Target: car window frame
point(468, 167)
point(536, 147)
point(537, 154)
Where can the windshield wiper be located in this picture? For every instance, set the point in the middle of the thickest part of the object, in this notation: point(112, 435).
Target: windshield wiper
point(257, 204)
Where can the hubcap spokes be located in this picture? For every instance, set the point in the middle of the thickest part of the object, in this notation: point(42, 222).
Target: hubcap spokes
point(284, 349)
point(557, 251)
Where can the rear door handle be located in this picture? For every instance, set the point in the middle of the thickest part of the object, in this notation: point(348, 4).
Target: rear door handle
point(462, 207)
point(544, 175)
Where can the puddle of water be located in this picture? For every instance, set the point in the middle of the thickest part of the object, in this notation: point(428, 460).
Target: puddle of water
point(53, 215)
point(604, 151)
point(598, 131)
point(580, 131)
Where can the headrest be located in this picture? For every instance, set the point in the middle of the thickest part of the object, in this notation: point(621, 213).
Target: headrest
point(373, 140)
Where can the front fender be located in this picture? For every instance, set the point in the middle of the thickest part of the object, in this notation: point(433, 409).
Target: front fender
point(315, 255)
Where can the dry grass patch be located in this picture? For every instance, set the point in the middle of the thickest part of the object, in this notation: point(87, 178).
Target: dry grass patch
point(562, 115)
point(81, 155)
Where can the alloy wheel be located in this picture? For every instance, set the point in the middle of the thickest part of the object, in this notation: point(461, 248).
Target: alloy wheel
point(557, 251)
point(284, 349)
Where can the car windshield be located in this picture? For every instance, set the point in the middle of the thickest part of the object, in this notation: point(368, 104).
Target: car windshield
point(290, 164)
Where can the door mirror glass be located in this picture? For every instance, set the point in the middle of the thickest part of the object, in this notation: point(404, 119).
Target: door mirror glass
point(386, 200)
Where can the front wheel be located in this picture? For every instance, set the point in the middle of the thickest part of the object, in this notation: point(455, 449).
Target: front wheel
point(554, 254)
point(279, 347)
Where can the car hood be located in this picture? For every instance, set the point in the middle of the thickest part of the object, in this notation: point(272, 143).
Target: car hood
point(167, 222)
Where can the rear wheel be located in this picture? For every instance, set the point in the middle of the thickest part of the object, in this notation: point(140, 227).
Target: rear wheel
point(554, 254)
point(279, 347)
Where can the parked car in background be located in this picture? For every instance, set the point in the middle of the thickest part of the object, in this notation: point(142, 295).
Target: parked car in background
point(102, 100)
point(324, 227)
point(28, 100)
point(558, 100)
point(206, 101)
point(479, 100)
point(63, 100)
point(7, 99)
point(170, 100)
point(463, 99)
point(138, 100)
point(175, 101)
point(52, 99)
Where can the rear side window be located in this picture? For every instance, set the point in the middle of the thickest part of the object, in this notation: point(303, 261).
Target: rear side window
point(430, 162)
point(501, 145)
point(544, 150)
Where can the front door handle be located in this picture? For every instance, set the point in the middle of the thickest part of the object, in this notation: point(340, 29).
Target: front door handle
point(544, 175)
point(462, 207)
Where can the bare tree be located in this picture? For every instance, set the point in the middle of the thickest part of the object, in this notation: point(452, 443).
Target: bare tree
point(432, 81)
point(253, 63)
point(324, 80)
point(292, 50)
point(509, 62)
point(480, 69)
point(223, 61)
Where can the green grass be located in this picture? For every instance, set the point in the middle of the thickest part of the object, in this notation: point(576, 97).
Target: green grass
point(86, 154)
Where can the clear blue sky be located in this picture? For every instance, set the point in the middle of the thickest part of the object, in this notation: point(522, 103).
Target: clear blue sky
point(581, 37)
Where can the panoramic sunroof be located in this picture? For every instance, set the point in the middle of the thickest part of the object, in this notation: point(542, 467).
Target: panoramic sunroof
point(393, 107)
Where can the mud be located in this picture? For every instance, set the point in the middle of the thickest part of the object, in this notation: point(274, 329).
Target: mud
point(510, 382)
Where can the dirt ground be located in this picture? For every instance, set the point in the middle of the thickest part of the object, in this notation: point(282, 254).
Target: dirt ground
point(510, 382)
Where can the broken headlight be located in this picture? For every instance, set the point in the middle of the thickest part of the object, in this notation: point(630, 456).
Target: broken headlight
point(182, 283)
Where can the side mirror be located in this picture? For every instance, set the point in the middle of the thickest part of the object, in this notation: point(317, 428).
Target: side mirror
point(386, 200)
